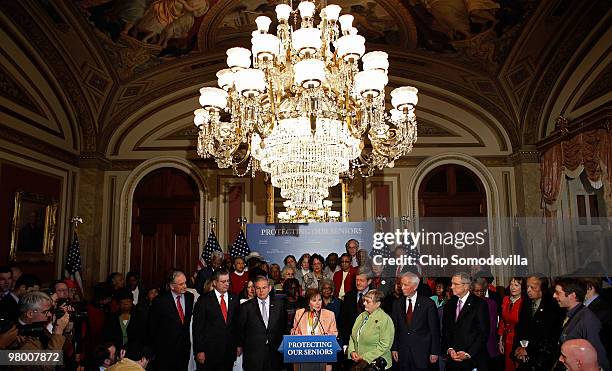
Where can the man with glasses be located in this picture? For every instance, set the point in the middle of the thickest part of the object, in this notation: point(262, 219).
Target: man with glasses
point(263, 322)
point(169, 324)
point(36, 314)
point(215, 336)
point(465, 328)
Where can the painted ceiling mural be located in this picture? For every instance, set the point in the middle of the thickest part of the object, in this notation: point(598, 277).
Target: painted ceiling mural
point(141, 34)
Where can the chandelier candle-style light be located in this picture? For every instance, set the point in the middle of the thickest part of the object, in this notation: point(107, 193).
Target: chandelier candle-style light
point(301, 110)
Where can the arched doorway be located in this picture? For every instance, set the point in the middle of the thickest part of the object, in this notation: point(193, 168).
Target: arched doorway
point(452, 191)
point(165, 223)
point(452, 199)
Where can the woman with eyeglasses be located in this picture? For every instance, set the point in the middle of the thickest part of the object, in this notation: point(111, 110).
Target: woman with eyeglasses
point(314, 320)
point(372, 334)
point(311, 279)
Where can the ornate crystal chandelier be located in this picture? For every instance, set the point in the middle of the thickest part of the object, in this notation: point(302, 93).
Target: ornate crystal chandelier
point(297, 215)
point(301, 110)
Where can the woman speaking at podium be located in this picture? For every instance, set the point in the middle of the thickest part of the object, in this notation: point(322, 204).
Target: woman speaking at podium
point(314, 320)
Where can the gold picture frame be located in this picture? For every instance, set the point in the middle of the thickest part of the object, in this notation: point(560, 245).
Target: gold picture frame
point(31, 241)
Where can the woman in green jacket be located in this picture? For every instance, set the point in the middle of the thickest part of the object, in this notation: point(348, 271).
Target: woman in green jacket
point(372, 334)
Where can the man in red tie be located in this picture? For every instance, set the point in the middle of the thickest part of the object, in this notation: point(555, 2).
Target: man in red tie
point(417, 328)
point(169, 324)
point(215, 336)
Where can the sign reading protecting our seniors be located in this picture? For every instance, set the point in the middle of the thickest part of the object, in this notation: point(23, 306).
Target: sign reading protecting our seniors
point(275, 241)
point(309, 349)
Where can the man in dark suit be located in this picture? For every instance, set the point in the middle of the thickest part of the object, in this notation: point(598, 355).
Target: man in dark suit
point(465, 328)
point(215, 336)
point(417, 328)
point(9, 303)
point(207, 272)
point(352, 304)
point(262, 321)
point(580, 322)
point(539, 325)
point(601, 308)
point(169, 324)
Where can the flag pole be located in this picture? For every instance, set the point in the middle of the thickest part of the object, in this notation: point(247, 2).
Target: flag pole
point(213, 224)
point(242, 220)
point(75, 221)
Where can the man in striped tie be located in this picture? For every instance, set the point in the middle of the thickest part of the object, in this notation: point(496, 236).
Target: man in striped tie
point(465, 328)
point(215, 335)
point(169, 324)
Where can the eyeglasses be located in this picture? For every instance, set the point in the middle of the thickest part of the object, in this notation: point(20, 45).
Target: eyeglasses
point(44, 312)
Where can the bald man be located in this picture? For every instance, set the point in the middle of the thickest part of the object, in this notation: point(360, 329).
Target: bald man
point(579, 354)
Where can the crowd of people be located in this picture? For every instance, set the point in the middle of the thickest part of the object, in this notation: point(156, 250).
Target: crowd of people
point(233, 313)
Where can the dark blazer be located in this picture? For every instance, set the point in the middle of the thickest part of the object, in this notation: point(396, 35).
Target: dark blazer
point(584, 324)
point(468, 333)
point(541, 330)
point(260, 344)
point(135, 330)
point(348, 313)
point(415, 342)
point(212, 335)
point(497, 298)
point(170, 337)
point(603, 311)
point(9, 307)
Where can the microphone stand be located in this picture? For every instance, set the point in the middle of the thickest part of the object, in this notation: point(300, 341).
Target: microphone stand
point(298, 322)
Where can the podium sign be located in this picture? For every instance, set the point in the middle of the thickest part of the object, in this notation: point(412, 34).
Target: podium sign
point(309, 349)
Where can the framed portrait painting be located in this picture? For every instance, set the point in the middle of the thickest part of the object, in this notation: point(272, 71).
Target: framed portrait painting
point(33, 227)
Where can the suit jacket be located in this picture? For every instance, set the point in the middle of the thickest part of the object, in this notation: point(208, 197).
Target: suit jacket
point(349, 281)
point(421, 337)
point(376, 337)
point(212, 335)
point(135, 330)
point(603, 311)
point(260, 344)
point(326, 326)
point(541, 330)
point(9, 307)
point(584, 324)
point(468, 333)
point(170, 337)
point(348, 313)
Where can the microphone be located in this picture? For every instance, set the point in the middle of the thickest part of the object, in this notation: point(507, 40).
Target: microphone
point(318, 314)
point(298, 322)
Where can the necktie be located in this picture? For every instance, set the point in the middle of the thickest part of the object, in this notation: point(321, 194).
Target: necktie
point(223, 308)
point(264, 313)
point(409, 311)
point(360, 306)
point(567, 318)
point(179, 308)
point(459, 306)
point(534, 308)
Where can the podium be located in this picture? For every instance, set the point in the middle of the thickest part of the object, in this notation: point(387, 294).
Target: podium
point(309, 349)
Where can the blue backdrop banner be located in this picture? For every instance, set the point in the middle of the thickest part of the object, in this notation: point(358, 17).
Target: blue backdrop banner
point(275, 241)
point(309, 349)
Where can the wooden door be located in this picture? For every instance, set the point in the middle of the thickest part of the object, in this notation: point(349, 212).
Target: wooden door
point(165, 225)
point(453, 199)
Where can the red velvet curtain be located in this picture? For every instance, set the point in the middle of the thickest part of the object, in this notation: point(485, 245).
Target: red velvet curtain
point(591, 149)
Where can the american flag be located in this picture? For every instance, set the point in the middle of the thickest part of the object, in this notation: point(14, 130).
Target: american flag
point(385, 252)
point(211, 245)
point(73, 261)
point(240, 247)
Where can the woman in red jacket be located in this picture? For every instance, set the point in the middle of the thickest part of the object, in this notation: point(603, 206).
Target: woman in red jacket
point(511, 308)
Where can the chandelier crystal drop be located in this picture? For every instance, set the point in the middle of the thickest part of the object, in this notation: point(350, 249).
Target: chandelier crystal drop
point(298, 107)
